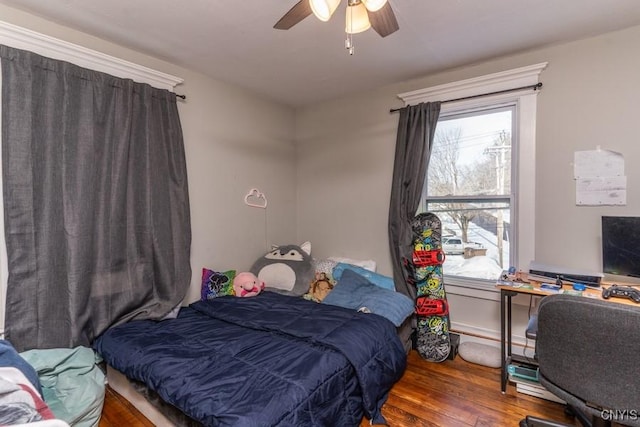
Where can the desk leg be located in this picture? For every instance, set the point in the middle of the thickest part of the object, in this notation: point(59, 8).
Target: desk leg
point(509, 332)
point(505, 335)
point(503, 356)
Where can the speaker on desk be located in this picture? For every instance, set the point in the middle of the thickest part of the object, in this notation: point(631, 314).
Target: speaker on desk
point(546, 272)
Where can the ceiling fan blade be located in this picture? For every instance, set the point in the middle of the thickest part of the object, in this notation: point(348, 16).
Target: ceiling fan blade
point(384, 20)
point(297, 13)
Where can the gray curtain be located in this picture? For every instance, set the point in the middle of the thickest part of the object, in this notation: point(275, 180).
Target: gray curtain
point(96, 203)
point(416, 127)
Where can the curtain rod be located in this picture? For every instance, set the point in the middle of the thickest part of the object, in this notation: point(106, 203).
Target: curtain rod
point(536, 86)
point(181, 96)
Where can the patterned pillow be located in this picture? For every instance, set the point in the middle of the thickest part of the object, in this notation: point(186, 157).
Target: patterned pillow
point(216, 284)
point(324, 266)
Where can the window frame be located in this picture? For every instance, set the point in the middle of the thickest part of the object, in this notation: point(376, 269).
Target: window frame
point(509, 198)
point(523, 163)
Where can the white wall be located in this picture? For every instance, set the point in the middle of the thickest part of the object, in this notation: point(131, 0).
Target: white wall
point(234, 141)
point(590, 98)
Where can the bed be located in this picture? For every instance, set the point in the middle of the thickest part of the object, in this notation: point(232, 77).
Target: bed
point(272, 359)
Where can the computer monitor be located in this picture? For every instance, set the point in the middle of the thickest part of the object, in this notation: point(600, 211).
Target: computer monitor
point(621, 245)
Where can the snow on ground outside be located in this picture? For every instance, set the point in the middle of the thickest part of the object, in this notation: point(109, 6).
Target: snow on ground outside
point(480, 267)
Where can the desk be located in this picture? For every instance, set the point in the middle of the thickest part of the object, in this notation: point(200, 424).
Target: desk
point(532, 287)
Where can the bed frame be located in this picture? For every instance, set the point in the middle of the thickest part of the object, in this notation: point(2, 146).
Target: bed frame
point(121, 385)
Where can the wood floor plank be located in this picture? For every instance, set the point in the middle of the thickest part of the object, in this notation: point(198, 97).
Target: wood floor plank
point(449, 394)
point(118, 412)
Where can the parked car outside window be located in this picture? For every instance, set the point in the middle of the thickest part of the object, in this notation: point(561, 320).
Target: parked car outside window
point(453, 246)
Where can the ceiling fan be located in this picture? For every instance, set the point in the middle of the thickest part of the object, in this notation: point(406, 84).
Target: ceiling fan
point(360, 16)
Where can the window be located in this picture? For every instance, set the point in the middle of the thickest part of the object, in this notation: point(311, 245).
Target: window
point(481, 175)
point(468, 186)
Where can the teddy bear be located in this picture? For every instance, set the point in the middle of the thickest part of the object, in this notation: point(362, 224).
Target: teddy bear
point(246, 284)
point(320, 287)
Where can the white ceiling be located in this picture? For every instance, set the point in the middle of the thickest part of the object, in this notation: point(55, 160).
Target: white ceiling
point(234, 40)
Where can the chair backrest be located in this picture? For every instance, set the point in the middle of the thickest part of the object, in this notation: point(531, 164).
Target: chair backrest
point(591, 349)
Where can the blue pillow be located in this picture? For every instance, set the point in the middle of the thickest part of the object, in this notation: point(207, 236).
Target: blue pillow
point(355, 291)
point(385, 282)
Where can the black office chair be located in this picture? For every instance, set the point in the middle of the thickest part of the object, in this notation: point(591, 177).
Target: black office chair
point(588, 352)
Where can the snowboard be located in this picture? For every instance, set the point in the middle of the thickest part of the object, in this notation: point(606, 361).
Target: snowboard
point(425, 273)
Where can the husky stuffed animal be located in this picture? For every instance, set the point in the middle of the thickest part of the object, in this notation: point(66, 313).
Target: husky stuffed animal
point(286, 269)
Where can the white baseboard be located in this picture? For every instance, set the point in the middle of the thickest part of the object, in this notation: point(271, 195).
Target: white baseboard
point(472, 330)
point(488, 334)
point(520, 345)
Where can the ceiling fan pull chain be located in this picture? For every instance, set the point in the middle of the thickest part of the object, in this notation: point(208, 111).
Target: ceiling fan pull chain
point(348, 43)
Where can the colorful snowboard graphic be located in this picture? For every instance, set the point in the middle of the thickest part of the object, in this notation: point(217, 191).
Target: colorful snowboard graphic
point(425, 273)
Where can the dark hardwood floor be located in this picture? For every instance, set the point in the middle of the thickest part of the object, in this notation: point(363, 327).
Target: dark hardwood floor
point(452, 393)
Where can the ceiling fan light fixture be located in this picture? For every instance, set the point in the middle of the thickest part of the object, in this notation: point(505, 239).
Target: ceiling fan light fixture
point(357, 19)
point(374, 5)
point(323, 9)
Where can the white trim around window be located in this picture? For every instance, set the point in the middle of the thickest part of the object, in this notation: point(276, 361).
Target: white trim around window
point(21, 38)
point(526, 104)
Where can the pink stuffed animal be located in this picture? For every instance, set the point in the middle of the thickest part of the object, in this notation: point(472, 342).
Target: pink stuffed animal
point(247, 285)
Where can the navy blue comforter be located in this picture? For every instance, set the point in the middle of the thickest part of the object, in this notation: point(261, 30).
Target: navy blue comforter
point(270, 360)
